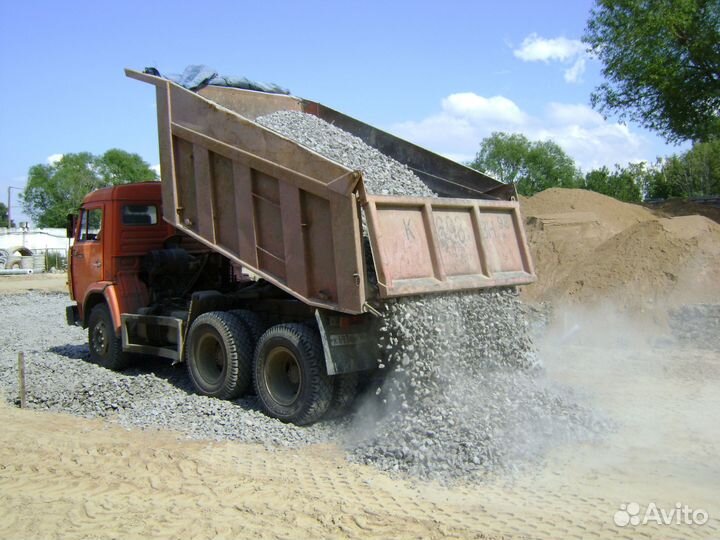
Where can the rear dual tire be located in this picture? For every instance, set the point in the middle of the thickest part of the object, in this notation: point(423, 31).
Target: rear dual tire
point(287, 368)
point(289, 374)
point(252, 322)
point(218, 354)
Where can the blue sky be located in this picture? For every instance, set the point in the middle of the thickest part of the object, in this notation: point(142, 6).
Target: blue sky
point(442, 74)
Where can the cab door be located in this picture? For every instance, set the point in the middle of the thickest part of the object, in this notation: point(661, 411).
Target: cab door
point(87, 252)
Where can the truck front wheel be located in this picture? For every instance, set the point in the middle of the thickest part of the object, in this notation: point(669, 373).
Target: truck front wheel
point(218, 354)
point(290, 377)
point(105, 346)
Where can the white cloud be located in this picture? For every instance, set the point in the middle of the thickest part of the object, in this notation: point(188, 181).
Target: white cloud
point(596, 145)
point(461, 120)
point(54, 158)
point(537, 49)
point(156, 168)
point(561, 49)
point(475, 107)
point(465, 119)
point(574, 73)
point(571, 113)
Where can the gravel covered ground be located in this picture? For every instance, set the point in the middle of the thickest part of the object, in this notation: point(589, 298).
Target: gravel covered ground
point(65, 477)
point(60, 377)
point(429, 419)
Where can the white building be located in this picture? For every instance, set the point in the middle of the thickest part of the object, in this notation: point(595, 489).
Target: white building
point(33, 248)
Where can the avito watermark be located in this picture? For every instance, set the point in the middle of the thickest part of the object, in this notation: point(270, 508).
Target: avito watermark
point(680, 514)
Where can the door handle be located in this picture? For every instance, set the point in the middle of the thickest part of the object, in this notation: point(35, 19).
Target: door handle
point(97, 264)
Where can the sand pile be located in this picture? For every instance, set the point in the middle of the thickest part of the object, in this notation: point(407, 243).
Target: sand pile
point(590, 248)
point(681, 207)
point(660, 262)
point(614, 215)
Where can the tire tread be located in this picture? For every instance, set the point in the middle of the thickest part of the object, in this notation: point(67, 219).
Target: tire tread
point(319, 388)
point(239, 354)
point(116, 359)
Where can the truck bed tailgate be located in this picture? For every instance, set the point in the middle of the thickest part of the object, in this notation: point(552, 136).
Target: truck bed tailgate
point(425, 245)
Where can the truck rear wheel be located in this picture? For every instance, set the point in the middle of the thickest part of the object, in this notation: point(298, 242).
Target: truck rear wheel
point(345, 389)
point(105, 346)
point(290, 377)
point(218, 354)
point(252, 323)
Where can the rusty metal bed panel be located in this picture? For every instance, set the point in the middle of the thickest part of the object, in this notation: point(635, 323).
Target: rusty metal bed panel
point(292, 216)
point(265, 202)
point(423, 245)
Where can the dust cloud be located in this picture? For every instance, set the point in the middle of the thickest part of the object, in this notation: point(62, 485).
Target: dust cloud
point(465, 397)
point(661, 393)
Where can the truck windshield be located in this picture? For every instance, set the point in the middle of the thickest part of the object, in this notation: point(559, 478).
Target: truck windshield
point(139, 214)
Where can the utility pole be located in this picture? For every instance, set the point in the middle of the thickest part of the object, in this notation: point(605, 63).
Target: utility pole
point(8, 205)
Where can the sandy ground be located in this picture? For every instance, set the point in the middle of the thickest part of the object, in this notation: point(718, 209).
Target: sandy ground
point(66, 477)
point(34, 282)
point(69, 478)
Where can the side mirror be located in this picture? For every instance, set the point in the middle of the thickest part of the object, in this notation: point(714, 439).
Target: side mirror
point(70, 225)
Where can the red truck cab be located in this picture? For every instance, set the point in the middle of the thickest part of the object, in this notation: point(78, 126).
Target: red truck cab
point(116, 227)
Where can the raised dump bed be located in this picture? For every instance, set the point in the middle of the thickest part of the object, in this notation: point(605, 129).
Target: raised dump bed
point(294, 217)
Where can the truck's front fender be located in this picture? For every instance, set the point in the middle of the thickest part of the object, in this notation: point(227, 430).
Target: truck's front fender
point(102, 291)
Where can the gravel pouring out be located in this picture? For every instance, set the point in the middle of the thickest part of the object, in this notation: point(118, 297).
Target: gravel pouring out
point(464, 395)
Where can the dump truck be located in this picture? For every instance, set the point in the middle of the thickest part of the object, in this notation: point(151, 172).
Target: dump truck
point(249, 260)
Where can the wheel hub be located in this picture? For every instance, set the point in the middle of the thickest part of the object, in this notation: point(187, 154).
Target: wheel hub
point(283, 378)
point(100, 339)
point(210, 358)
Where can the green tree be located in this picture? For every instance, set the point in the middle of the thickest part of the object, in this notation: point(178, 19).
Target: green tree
point(695, 173)
point(531, 165)
point(624, 183)
point(120, 167)
point(661, 61)
point(3, 215)
point(503, 155)
point(55, 190)
point(702, 169)
point(549, 166)
point(657, 184)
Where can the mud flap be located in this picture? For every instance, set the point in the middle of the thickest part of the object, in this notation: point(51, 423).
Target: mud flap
point(72, 316)
point(349, 342)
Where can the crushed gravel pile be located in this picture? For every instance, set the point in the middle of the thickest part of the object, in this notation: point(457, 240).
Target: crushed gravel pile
point(463, 397)
point(382, 175)
point(60, 377)
point(697, 325)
